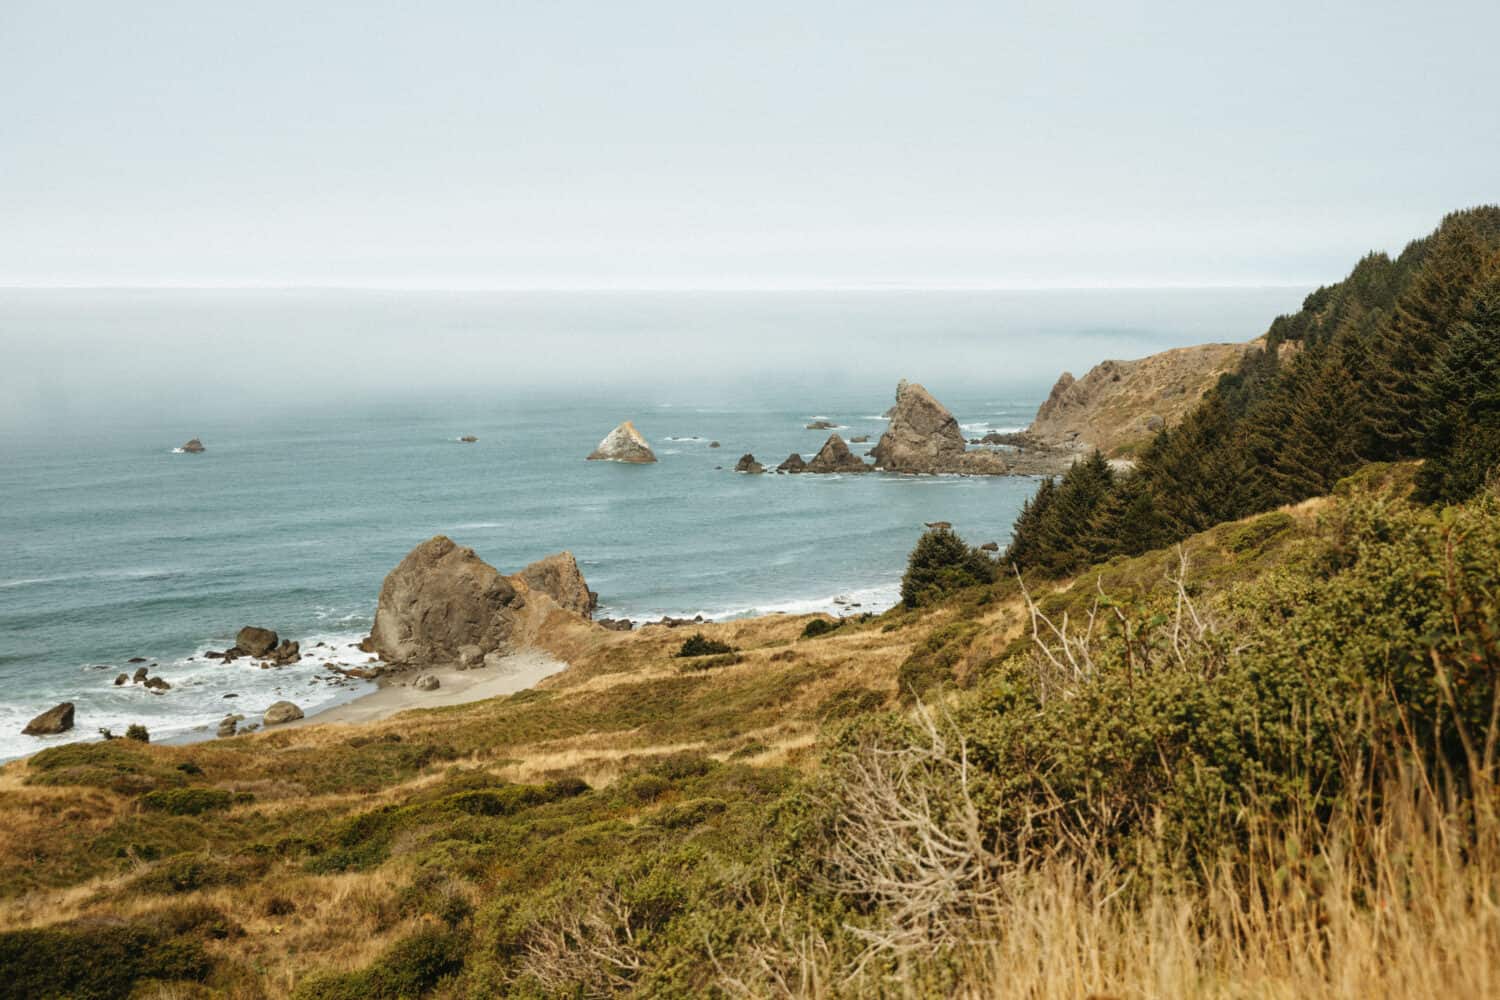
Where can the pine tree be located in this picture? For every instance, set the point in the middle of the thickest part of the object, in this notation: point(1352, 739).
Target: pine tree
point(1420, 325)
point(1461, 434)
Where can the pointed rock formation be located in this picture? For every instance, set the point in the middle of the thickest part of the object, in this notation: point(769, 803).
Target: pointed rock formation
point(793, 463)
point(747, 463)
point(923, 436)
point(559, 577)
point(623, 444)
point(835, 456)
point(193, 447)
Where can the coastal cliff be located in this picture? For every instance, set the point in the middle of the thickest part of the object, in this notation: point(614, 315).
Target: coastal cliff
point(1119, 405)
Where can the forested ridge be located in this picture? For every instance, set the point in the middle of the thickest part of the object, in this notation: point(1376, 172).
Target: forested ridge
point(1400, 360)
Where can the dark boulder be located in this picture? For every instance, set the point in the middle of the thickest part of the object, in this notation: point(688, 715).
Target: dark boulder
point(256, 641)
point(58, 719)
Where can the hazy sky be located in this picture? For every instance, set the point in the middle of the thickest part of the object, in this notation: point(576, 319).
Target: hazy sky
point(806, 143)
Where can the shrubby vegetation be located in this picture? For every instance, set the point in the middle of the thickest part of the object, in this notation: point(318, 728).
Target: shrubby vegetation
point(698, 644)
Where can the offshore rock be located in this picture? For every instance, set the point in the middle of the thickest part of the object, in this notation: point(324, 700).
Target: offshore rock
point(623, 444)
point(835, 456)
point(57, 719)
point(255, 641)
point(747, 463)
point(923, 435)
point(793, 463)
point(193, 447)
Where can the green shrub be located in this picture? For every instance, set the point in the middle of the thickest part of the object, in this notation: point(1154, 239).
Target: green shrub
point(136, 731)
point(941, 564)
point(849, 702)
point(932, 662)
point(184, 873)
point(698, 644)
point(820, 626)
point(95, 961)
point(187, 801)
point(407, 970)
point(1257, 533)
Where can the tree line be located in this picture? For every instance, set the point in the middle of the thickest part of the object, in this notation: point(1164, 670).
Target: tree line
point(1400, 360)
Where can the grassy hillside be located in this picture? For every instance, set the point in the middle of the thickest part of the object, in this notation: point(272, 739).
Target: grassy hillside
point(1257, 764)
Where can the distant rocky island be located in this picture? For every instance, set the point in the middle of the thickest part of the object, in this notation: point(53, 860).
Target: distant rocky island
point(623, 444)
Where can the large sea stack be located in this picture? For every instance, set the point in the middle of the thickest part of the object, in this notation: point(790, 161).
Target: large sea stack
point(924, 437)
point(623, 444)
point(559, 577)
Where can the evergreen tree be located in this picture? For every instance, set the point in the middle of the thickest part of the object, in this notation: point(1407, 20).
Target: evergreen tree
point(1409, 344)
point(1461, 435)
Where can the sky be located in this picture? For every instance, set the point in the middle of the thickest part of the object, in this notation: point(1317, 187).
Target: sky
point(652, 144)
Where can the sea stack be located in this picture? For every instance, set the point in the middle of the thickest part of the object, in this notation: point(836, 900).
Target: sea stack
point(747, 463)
point(623, 444)
point(924, 437)
point(193, 447)
point(793, 463)
point(835, 456)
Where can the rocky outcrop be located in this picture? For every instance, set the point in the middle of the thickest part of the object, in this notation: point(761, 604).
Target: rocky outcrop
point(793, 463)
point(923, 435)
point(1119, 405)
point(835, 456)
point(282, 712)
point(57, 719)
point(443, 604)
point(193, 447)
point(441, 597)
point(253, 641)
point(623, 444)
point(821, 425)
point(559, 577)
point(747, 463)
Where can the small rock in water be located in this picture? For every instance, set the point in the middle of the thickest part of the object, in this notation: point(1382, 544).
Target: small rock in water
point(256, 641)
point(231, 696)
point(122, 679)
point(713, 444)
point(140, 675)
point(57, 719)
point(468, 439)
point(157, 684)
point(136, 659)
point(193, 447)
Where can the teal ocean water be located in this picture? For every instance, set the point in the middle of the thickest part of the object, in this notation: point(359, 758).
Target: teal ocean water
point(320, 475)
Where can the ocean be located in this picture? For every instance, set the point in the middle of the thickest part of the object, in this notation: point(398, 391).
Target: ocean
point(331, 423)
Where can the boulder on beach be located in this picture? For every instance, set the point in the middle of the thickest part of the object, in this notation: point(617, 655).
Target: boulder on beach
point(254, 641)
point(282, 712)
point(747, 463)
point(440, 597)
point(835, 456)
point(470, 657)
point(57, 719)
point(427, 682)
point(559, 577)
point(617, 624)
point(231, 724)
point(793, 463)
point(193, 447)
point(623, 444)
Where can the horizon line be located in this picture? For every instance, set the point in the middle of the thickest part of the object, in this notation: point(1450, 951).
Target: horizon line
point(883, 286)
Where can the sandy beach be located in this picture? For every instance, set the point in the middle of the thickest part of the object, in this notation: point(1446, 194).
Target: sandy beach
point(457, 687)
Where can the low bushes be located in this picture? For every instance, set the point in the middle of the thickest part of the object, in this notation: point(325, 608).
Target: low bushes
point(698, 644)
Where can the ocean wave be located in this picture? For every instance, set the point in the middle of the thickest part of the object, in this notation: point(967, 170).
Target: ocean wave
point(103, 574)
point(856, 600)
